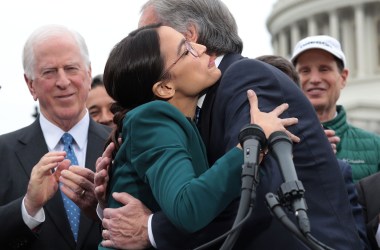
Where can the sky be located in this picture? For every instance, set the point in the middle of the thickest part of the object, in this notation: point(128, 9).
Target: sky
point(102, 23)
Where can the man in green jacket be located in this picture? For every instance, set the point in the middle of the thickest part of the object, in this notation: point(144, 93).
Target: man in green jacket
point(321, 65)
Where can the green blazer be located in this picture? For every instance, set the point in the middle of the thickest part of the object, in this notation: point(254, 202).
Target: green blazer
point(163, 162)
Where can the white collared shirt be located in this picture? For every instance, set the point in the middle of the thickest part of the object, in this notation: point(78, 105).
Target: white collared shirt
point(52, 135)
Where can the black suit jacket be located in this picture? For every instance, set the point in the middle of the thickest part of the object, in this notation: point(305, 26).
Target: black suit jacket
point(368, 191)
point(224, 112)
point(20, 151)
point(356, 207)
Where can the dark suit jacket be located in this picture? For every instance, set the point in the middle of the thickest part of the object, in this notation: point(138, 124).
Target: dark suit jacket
point(20, 151)
point(316, 165)
point(368, 191)
point(357, 209)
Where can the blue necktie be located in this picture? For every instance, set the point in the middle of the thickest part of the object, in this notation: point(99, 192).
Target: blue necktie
point(72, 210)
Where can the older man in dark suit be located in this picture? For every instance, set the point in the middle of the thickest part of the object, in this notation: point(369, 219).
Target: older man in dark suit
point(37, 182)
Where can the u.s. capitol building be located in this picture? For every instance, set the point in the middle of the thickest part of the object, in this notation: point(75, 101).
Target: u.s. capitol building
point(356, 24)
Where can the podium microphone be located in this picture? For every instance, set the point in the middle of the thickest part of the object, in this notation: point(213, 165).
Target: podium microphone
point(291, 191)
point(252, 139)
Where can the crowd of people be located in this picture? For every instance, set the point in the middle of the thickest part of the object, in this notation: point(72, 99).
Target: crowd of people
point(147, 154)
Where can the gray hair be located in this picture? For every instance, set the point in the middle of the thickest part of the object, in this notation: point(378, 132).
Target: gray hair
point(217, 28)
point(43, 33)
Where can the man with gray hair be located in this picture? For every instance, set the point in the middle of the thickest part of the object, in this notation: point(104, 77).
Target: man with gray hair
point(46, 194)
point(224, 111)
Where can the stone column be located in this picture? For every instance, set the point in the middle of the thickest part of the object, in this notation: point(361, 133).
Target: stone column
point(282, 44)
point(334, 24)
point(348, 44)
point(360, 36)
point(294, 35)
point(276, 50)
point(312, 26)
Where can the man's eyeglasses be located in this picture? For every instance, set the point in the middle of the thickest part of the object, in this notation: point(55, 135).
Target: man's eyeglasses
point(190, 49)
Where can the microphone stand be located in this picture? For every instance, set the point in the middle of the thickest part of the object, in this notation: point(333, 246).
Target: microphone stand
point(276, 208)
point(252, 138)
point(291, 192)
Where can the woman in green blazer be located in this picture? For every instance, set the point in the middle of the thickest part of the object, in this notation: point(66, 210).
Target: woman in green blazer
point(156, 77)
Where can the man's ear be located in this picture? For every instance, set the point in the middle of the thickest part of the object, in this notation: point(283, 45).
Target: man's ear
point(344, 75)
point(30, 85)
point(89, 72)
point(163, 90)
point(191, 34)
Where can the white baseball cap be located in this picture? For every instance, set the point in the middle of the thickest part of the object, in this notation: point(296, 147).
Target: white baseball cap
point(326, 43)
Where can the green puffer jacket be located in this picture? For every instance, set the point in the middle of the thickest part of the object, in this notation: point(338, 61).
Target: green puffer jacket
point(360, 148)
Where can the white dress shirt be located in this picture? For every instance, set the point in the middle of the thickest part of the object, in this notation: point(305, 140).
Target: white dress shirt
point(52, 135)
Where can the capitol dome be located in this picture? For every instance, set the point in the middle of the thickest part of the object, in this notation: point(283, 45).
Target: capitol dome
point(356, 24)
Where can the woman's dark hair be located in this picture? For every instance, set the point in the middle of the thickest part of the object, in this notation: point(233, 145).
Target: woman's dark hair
point(134, 65)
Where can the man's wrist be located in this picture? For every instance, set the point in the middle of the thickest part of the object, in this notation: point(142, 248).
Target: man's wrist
point(150, 232)
point(32, 221)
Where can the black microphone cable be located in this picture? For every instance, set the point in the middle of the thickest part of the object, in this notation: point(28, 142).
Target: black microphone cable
point(277, 210)
point(253, 140)
point(221, 237)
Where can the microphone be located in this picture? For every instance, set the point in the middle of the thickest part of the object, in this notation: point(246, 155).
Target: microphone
point(252, 139)
point(291, 191)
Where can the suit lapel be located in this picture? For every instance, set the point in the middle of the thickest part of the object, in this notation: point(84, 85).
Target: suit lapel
point(97, 136)
point(32, 148)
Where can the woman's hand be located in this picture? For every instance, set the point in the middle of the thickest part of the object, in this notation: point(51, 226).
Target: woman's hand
point(101, 178)
point(270, 122)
